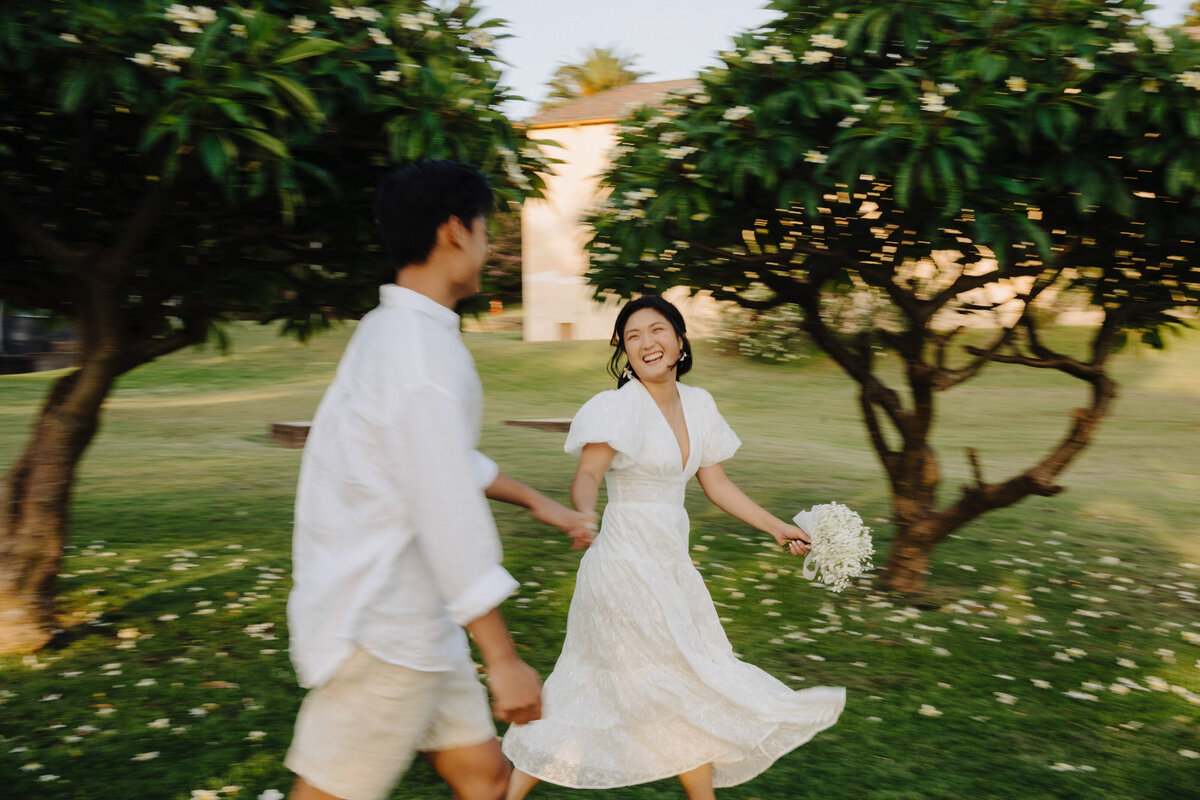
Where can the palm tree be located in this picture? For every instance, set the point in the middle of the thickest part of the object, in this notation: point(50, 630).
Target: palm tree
point(600, 68)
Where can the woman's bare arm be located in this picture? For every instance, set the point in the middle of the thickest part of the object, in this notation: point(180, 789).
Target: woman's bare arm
point(727, 496)
point(593, 463)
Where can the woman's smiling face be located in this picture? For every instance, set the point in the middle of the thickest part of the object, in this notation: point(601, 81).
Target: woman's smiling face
point(652, 345)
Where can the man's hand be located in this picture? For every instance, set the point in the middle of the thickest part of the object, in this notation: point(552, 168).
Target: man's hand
point(579, 525)
point(516, 691)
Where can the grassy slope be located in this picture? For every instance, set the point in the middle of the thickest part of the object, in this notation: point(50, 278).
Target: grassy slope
point(183, 510)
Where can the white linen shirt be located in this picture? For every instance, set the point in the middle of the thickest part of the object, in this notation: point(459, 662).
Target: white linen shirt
point(394, 545)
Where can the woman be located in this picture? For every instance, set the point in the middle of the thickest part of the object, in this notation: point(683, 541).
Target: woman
point(647, 685)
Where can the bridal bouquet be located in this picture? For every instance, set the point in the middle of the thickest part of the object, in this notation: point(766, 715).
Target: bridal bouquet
point(841, 544)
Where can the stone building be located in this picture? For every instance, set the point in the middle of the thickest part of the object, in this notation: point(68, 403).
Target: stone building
point(557, 303)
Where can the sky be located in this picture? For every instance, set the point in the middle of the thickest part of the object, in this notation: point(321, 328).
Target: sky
point(671, 38)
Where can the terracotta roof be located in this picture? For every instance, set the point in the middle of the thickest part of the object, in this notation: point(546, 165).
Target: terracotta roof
point(608, 106)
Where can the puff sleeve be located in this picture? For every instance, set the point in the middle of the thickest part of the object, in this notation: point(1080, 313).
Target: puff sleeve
point(718, 442)
point(608, 417)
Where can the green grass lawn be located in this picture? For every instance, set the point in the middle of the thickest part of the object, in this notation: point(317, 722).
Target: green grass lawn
point(1056, 653)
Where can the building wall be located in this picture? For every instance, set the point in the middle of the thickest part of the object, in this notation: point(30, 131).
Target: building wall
point(557, 303)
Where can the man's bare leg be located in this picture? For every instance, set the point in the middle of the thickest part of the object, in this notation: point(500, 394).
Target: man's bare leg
point(478, 772)
point(302, 790)
point(698, 783)
point(520, 784)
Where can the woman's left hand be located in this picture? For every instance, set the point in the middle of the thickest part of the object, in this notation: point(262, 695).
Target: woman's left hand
point(793, 539)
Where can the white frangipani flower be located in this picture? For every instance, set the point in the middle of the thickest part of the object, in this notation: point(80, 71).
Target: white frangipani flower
point(816, 56)
point(1085, 64)
point(736, 113)
point(301, 24)
point(480, 39)
point(389, 76)
point(172, 52)
point(378, 36)
point(1016, 83)
point(341, 12)
point(676, 153)
point(1190, 79)
point(1159, 38)
point(778, 53)
point(1122, 47)
point(934, 102)
point(815, 157)
point(826, 41)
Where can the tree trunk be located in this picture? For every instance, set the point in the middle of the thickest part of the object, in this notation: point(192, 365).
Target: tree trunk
point(908, 561)
point(35, 504)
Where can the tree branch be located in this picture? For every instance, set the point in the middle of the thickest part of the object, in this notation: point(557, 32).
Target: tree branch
point(753, 305)
point(29, 229)
point(138, 227)
point(717, 252)
point(949, 378)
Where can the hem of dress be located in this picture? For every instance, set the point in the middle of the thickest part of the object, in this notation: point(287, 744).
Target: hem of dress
point(637, 782)
point(717, 783)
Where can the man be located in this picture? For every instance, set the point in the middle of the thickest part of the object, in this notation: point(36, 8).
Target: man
point(395, 547)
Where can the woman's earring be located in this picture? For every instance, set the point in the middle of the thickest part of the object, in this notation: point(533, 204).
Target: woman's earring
point(682, 357)
point(627, 374)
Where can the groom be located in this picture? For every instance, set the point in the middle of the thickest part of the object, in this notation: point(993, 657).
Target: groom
point(395, 550)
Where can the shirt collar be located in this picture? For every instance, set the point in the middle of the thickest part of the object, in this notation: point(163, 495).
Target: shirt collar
point(394, 296)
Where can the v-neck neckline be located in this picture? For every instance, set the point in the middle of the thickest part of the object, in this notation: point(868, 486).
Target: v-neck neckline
point(684, 461)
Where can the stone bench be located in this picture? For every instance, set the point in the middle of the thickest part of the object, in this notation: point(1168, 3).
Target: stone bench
point(290, 434)
point(552, 424)
point(294, 434)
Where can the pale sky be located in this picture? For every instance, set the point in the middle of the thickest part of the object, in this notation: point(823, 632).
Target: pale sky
point(672, 38)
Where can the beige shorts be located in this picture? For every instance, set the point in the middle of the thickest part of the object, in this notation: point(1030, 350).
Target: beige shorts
point(357, 734)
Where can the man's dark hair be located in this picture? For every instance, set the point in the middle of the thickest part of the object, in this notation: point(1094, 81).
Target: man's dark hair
point(412, 202)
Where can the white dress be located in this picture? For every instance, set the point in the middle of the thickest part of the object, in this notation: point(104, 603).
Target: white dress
point(647, 685)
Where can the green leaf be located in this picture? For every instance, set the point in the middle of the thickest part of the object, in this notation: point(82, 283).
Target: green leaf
point(212, 153)
point(307, 48)
point(264, 140)
point(299, 95)
point(74, 89)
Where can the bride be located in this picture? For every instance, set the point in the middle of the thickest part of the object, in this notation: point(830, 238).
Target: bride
point(647, 685)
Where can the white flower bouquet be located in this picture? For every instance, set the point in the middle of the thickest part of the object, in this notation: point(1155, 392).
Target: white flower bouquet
point(841, 544)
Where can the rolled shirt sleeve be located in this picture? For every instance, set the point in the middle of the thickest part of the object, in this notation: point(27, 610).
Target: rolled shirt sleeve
point(486, 470)
point(444, 478)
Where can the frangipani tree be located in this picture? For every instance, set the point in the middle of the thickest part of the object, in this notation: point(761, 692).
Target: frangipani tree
point(166, 168)
point(924, 155)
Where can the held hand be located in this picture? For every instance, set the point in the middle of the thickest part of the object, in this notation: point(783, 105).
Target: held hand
point(579, 525)
point(792, 539)
point(516, 691)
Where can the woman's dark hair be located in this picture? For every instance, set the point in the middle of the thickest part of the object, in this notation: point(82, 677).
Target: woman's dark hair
point(412, 202)
point(664, 307)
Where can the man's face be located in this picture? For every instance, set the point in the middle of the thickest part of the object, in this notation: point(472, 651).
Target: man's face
point(473, 256)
